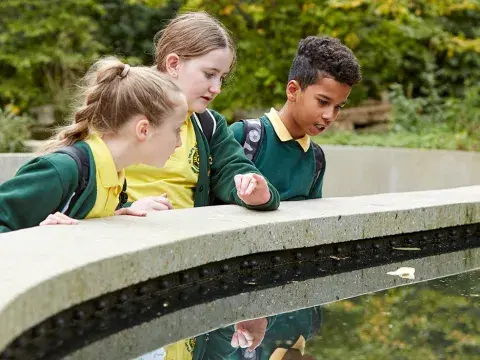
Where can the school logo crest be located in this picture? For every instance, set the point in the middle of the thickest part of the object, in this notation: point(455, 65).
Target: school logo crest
point(194, 159)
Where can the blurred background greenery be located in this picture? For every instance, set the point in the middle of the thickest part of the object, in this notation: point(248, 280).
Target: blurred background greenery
point(423, 56)
point(431, 320)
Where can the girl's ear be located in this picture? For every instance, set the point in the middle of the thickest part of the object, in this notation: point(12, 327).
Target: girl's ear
point(172, 64)
point(142, 128)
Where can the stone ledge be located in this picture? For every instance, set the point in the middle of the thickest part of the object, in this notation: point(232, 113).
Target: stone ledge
point(77, 263)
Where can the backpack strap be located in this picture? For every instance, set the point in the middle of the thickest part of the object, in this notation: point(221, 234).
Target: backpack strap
point(319, 161)
point(83, 166)
point(207, 123)
point(253, 134)
point(123, 196)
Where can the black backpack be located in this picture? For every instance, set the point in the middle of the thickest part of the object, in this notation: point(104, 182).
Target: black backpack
point(207, 124)
point(83, 166)
point(253, 134)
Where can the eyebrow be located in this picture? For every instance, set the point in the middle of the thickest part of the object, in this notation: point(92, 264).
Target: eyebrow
point(329, 99)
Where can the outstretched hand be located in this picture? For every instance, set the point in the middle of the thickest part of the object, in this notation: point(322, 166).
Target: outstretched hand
point(252, 189)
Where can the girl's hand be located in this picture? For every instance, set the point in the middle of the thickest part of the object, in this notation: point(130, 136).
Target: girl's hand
point(153, 203)
point(58, 219)
point(252, 189)
point(130, 211)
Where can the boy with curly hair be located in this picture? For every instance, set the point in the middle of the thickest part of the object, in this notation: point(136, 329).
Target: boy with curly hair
point(321, 77)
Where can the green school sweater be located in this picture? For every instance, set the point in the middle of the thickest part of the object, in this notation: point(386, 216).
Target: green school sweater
point(285, 164)
point(43, 186)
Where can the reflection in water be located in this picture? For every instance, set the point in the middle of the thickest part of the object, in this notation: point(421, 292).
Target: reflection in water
point(431, 320)
point(438, 319)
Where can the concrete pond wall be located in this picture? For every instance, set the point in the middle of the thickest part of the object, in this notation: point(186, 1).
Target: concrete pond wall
point(45, 270)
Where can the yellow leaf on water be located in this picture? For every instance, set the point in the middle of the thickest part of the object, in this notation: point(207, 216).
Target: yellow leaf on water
point(404, 272)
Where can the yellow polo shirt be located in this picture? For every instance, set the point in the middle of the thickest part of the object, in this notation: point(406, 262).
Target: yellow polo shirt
point(177, 178)
point(282, 131)
point(109, 182)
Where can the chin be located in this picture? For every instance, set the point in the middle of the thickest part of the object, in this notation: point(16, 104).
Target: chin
point(199, 107)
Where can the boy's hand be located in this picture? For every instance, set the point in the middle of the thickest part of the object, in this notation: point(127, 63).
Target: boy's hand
point(249, 333)
point(58, 219)
point(152, 203)
point(130, 211)
point(252, 189)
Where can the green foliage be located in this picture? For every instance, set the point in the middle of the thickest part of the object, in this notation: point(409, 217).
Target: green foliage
point(45, 46)
point(128, 27)
point(428, 47)
point(14, 129)
point(432, 320)
point(395, 42)
point(434, 138)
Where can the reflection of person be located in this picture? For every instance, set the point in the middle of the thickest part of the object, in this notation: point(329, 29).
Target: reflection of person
point(128, 115)
point(284, 338)
point(320, 80)
point(196, 52)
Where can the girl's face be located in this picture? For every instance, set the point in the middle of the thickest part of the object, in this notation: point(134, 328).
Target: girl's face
point(201, 78)
point(161, 141)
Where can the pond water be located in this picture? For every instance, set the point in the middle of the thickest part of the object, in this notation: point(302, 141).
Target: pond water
point(436, 319)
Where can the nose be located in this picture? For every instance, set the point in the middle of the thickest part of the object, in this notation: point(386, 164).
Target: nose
point(215, 87)
point(328, 114)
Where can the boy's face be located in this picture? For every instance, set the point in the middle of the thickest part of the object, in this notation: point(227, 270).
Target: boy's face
point(317, 107)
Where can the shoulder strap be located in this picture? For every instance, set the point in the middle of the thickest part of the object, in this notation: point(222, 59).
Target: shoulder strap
point(253, 134)
point(208, 124)
point(83, 166)
point(319, 161)
point(123, 196)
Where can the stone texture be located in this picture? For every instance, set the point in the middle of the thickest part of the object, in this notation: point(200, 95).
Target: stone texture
point(46, 269)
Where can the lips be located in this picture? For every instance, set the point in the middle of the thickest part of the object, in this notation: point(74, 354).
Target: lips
point(317, 129)
point(206, 98)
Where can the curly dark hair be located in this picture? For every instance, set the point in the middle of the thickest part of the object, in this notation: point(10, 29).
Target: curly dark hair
point(324, 56)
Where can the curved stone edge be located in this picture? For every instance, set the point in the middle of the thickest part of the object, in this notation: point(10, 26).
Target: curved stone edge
point(70, 262)
point(141, 339)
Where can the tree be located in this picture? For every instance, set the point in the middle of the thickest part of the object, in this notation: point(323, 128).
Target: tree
point(45, 46)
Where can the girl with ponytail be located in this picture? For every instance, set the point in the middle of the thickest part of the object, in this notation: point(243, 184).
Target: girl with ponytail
point(126, 115)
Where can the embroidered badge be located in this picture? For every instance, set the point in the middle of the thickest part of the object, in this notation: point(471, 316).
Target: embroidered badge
point(194, 159)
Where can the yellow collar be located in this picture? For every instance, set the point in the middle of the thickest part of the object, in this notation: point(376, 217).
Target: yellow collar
point(279, 353)
point(282, 131)
point(104, 163)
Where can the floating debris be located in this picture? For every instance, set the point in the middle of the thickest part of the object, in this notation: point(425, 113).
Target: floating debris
point(339, 257)
point(404, 273)
point(406, 248)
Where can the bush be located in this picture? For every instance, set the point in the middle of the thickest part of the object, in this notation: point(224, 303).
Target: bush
point(14, 129)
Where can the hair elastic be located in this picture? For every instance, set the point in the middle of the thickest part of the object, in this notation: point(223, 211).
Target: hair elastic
point(125, 71)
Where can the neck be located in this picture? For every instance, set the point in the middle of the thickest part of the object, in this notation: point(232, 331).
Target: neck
point(287, 116)
point(120, 150)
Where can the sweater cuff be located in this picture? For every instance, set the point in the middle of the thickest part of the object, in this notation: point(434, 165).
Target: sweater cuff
point(272, 204)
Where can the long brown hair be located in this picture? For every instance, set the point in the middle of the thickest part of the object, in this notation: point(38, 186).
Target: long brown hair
point(191, 35)
point(112, 93)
